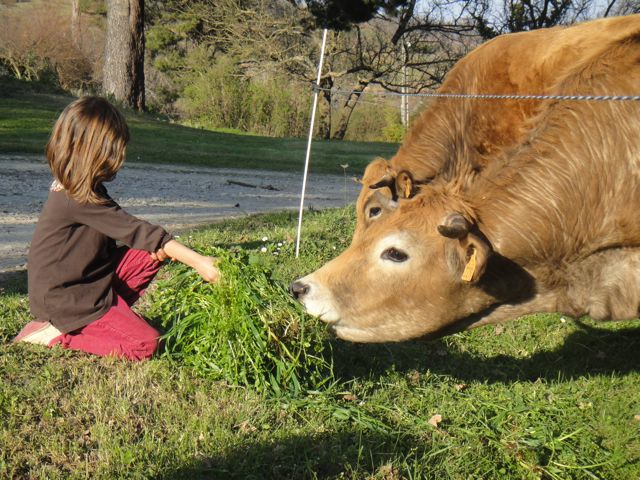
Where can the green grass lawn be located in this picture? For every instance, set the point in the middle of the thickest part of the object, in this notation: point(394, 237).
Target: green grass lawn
point(27, 116)
point(540, 397)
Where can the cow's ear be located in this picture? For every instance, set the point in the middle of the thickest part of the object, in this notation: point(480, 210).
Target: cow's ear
point(475, 253)
point(405, 185)
point(472, 250)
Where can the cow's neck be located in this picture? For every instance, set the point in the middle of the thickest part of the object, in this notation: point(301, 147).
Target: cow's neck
point(590, 287)
point(428, 143)
point(562, 197)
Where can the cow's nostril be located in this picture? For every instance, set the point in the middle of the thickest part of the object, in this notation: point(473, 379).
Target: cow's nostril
point(298, 289)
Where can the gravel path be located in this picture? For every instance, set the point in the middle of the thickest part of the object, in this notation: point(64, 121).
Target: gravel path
point(177, 197)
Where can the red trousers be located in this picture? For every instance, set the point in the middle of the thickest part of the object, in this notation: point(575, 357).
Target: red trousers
point(120, 332)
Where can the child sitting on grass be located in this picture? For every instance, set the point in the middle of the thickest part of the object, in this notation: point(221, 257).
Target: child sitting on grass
point(81, 284)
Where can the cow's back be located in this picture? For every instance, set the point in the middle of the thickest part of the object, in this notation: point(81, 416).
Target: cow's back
point(574, 188)
point(526, 63)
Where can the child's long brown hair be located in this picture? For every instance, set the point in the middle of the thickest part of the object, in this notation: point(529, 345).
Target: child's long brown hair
point(87, 147)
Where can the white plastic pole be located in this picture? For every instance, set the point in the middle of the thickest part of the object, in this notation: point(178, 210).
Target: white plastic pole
point(313, 119)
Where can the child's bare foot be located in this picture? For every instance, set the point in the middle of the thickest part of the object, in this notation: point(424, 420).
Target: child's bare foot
point(41, 333)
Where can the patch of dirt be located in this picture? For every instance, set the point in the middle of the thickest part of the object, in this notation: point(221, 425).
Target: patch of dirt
point(174, 196)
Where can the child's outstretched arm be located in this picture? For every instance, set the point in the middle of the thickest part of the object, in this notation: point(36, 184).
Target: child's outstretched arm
point(110, 220)
point(202, 264)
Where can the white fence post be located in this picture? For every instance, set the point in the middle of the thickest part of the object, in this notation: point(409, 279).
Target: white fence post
point(313, 119)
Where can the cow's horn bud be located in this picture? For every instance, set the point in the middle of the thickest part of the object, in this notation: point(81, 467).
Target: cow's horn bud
point(386, 181)
point(454, 226)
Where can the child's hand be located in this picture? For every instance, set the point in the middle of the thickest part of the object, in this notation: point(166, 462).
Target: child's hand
point(205, 266)
point(207, 269)
point(160, 255)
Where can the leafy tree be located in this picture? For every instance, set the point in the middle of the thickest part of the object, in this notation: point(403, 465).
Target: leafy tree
point(203, 57)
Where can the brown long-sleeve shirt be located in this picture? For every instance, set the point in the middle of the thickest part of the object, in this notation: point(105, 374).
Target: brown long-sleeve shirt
point(71, 258)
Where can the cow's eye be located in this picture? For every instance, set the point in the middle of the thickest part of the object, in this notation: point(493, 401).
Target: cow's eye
point(394, 255)
point(374, 212)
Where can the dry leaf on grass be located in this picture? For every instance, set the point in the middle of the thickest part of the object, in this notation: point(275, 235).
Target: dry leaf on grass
point(245, 427)
point(414, 377)
point(435, 420)
point(388, 472)
point(585, 405)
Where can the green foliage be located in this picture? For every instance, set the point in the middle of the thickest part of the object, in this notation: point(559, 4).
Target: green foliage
point(376, 122)
point(220, 96)
point(278, 111)
point(216, 96)
point(393, 131)
point(246, 330)
point(159, 38)
point(246, 66)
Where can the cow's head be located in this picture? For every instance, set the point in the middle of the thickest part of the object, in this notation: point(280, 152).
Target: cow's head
point(415, 271)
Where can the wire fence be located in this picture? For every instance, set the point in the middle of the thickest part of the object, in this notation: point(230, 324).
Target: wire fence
point(480, 96)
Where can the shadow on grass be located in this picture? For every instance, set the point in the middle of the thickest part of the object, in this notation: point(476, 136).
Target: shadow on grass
point(588, 351)
point(14, 281)
point(320, 456)
point(239, 246)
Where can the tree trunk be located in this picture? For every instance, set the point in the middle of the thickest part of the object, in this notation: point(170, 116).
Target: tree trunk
point(75, 22)
point(324, 109)
point(124, 52)
point(347, 110)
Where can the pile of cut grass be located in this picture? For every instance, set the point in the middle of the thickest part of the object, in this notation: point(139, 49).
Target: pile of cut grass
point(246, 329)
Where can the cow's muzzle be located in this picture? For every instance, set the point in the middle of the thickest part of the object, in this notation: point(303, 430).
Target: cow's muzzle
point(298, 289)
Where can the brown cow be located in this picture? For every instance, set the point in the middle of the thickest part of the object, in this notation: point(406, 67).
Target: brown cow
point(550, 226)
point(522, 63)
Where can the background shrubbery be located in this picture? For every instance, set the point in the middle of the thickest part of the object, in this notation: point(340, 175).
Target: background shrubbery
point(37, 44)
point(248, 65)
point(269, 104)
point(376, 121)
point(195, 72)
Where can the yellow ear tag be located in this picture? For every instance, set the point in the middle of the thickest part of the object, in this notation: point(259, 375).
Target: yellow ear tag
point(407, 189)
point(470, 268)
